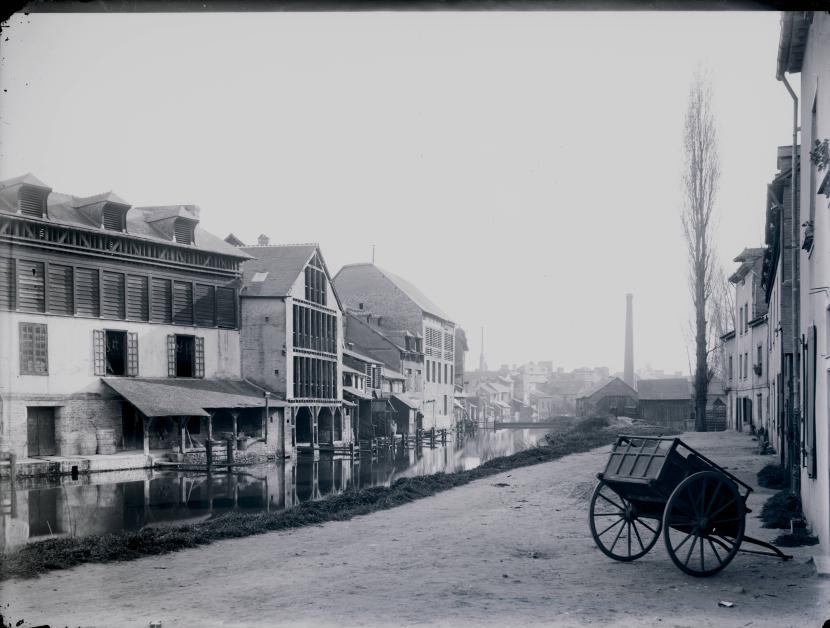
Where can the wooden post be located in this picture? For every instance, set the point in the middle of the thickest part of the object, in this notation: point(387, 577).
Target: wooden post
point(235, 415)
point(181, 433)
point(146, 423)
point(210, 425)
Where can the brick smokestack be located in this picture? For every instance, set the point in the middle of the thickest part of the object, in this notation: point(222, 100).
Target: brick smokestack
point(628, 371)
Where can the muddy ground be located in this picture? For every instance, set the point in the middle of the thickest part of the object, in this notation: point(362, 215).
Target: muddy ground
point(511, 549)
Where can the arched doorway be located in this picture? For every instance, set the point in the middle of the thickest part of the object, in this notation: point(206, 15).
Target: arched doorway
point(324, 425)
point(305, 426)
point(338, 425)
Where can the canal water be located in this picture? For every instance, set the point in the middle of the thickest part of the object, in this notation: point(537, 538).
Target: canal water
point(105, 502)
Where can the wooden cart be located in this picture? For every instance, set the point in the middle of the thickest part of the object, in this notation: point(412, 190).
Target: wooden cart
point(655, 484)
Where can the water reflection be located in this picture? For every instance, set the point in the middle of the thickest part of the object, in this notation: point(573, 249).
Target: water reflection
point(131, 500)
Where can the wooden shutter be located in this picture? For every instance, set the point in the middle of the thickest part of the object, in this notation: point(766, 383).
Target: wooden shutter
point(99, 352)
point(171, 355)
point(113, 218)
point(161, 301)
point(112, 291)
point(810, 403)
point(61, 300)
point(138, 299)
point(86, 292)
point(205, 305)
point(31, 296)
point(183, 302)
point(226, 308)
point(132, 354)
point(183, 231)
point(199, 361)
point(31, 202)
point(6, 283)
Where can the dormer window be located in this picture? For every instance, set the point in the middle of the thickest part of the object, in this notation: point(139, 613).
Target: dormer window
point(113, 218)
point(32, 201)
point(183, 231)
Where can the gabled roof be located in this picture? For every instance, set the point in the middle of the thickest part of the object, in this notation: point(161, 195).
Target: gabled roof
point(408, 289)
point(277, 267)
point(669, 389)
point(360, 356)
point(592, 390)
point(28, 179)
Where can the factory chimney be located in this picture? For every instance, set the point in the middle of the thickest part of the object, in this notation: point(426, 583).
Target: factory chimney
point(628, 371)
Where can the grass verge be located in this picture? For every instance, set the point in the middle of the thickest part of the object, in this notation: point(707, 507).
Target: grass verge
point(37, 558)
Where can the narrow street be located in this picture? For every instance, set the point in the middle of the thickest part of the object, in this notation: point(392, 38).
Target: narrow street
point(482, 554)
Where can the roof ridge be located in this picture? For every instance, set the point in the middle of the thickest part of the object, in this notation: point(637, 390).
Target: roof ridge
point(275, 246)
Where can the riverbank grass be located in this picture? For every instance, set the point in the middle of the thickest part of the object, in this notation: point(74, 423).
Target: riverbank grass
point(36, 558)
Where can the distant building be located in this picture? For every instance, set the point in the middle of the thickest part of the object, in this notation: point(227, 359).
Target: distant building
point(666, 402)
point(399, 305)
point(611, 396)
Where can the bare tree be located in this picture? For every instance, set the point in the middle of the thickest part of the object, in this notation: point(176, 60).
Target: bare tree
point(721, 319)
point(701, 172)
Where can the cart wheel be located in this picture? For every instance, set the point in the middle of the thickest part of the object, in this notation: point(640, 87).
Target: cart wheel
point(704, 523)
point(618, 529)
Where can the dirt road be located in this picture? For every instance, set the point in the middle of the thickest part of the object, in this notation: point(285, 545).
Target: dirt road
point(479, 555)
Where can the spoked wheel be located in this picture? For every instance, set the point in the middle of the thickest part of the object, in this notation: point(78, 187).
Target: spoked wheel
point(704, 523)
point(619, 530)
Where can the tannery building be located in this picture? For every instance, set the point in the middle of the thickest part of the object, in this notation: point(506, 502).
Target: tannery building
point(120, 329)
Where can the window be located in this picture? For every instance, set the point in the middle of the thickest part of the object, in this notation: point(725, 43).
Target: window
point(138, 298)
point(161, 300)
point(183, 302)
point(115, 353)
point(183, 231)
point(87, 297)
point(760, 360)
point(746, 317)
point(61, 291)
point(730, 368)
point(30, 286)
point(205, 305)
point(113, 304)
point(315, 281)
point(185, 356)
point(6, 283)
point(32, 202)
point(34, 349)
point(226, 308)
point(428, 377)
point(446, 371)
point(112, 218)
point(445, 404)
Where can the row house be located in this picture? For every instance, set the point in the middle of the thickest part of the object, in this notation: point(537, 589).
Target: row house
point(374, 413)
point(120, 330)
point(292, 342)
point(745, 348)
point(399, 305)
point(804, 49)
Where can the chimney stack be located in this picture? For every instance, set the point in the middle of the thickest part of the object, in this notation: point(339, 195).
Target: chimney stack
point(628, 371)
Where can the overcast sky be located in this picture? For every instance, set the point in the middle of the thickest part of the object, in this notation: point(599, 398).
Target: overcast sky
point(521, 168)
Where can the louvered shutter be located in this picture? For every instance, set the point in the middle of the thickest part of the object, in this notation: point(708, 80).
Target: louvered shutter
point(31, 202)
point(112, 292)
point(86, 292)
point(138, 300)
point(113, 218)
point(226, 308)
point(182, 303)
point(171, 355)
point(61, 300)
point(205, 305)
point(183, 232)
point(810, 404)
point(31, 296)
point(161, 300)
point(199, 361)
point(132, 354)
point(99, 352)
point(6, 283)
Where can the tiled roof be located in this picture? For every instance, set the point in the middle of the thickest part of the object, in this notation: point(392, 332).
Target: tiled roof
point(360, 356)
point(65, 209)
point(669, 389)
point(282, 264)
point(408, 289)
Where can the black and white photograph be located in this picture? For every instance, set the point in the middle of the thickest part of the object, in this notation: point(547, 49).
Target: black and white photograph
point(431, 313)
